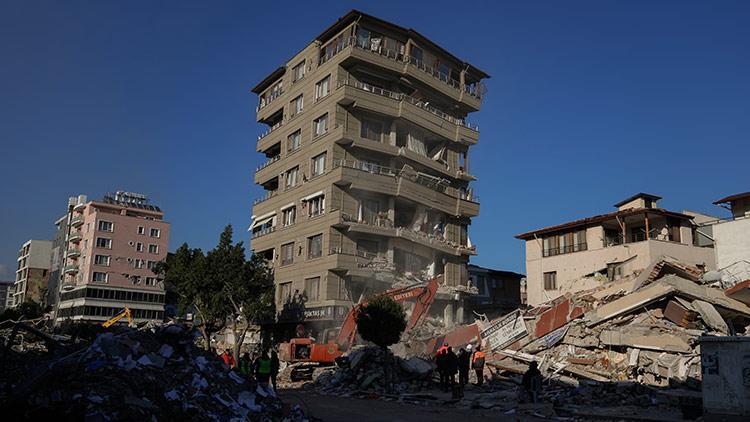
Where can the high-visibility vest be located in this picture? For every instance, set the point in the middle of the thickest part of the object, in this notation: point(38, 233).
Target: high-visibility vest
point(264, 366)
point(478, 360)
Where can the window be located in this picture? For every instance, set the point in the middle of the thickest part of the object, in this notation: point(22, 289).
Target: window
point(98, 276)
point(150, 264)
point(416, 53)
point(550, 280)
point(150, 281)
point(315, 246)
point(368, 211)
point(153, 248)
point(312, 288)
point(371, 130)
point(138, 263)
point(291, 177)
point(318, 165)
point(320, 125)
point(141, 230)
point(367, 248)
point(136, 279)
point(139, 247)
point(579, 239)
point(298, 72)
point(294, 141)
point(288, 216)
point(287, 253)
point(322, 88)
point(316, 206)
point(106, 226)
point(285, 292)
point(101, 260)
point(103, 242)
point(155, 232)
point(296, 105)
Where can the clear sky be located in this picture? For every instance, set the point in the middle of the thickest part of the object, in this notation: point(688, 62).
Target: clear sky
point(589, 102)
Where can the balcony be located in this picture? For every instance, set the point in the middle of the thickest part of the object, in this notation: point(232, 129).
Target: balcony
point(76, 221)
point(71, 269)
point(263, 232)
point(266, 100)
point(75, 236)
point(269, 194)
point(565, 249)
point(259, 144)
point(74, 253)
point(358, 263)
point(268, 162)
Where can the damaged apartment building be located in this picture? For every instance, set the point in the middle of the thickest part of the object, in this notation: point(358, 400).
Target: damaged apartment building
point(582, 254)
point(367, 173)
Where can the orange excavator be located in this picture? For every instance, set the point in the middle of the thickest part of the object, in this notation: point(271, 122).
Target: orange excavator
point(305, 350)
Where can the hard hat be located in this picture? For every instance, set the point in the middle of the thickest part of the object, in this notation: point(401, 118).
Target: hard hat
point(468, 347)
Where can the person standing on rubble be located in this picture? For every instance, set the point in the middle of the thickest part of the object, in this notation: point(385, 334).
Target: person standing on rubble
point(274, 367)
point(464, 363)
point(451, 368)
point(477, 362)
point(228, 358)
point(263, 368)
point(532, 383)
point(246, 365)
point(440, 363)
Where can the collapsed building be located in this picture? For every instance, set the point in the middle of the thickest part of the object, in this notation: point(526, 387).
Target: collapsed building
point(367, 173)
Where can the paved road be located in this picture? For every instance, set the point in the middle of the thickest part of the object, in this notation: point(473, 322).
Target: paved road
point(335, 409)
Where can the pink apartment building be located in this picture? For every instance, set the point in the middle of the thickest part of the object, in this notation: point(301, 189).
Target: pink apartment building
point(112, 246)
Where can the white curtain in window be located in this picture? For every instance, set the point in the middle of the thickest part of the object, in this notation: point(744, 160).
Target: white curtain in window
point(415, 144)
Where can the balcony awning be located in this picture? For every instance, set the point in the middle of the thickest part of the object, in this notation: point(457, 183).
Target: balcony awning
point(311, 196)
point(263, 219)
point(287, 206)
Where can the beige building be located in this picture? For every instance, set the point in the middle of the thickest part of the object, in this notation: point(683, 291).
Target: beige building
point(111, 246)
point(732, 236)
point(367, 173)
point(610, 245)
point(31, 273)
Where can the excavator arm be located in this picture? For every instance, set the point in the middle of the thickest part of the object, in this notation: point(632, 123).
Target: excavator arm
point(121, 315)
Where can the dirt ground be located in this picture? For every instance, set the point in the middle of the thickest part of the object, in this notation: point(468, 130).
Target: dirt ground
point(334, 409)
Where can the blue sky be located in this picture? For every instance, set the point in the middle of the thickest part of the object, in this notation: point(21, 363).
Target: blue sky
point(589, 102)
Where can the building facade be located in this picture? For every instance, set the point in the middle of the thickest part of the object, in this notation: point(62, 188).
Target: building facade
point(112, 246)
point(499, 291)
point(6, 294)
point(367, 173)
point(611, 245)
point(32, 272)
point(732, 236)
point(57, 257)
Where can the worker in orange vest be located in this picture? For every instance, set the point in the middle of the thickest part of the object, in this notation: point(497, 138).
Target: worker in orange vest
point(477, 362)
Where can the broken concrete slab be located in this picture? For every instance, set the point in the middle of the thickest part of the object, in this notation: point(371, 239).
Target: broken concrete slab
point(643, 339)
point(625, 304)
point(711, 316)
point(709, 294)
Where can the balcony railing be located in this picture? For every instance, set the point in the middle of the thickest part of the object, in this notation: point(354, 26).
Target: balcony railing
point(269, 194)
point(76, 221)
point(270, 130)
point(74, 252)
point(71, 269)
point(75, 236)
point(263, 232)
point(265, 101)
point(270, 161)
point(411, 100)
point(364, 166)
point(565, 249)
point(337, 250)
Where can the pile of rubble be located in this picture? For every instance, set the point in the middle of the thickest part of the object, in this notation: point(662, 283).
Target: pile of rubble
point(369, 368)
point(147, 374)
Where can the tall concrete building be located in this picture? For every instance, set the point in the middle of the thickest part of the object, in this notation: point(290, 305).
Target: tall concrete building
point(112, 245)
point(32, 272)
point(6, 292)
point(367, 173)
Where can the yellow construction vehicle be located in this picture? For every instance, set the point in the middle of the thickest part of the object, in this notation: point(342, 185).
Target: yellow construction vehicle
point(121, 315)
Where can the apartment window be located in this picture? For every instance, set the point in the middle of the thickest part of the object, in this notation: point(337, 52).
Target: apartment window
point(285, 292)
point(102, 260)
point(138, 263)
point(416, 53)
point(99, 276)
point(371, 130)
point(150, 264)
point(312, 288)
point(316, 206)
point(342, 292)
point(155, 233)
point(287, 253)
point(153, 248)
point(136, 280)
point(297, 105)
point(291, 177)
point(315, 246)
point(318, 165)
point(106, 226)
point(298, 72)
point(368, 211)
point(141, 230)
point(289, 216)
point(103, 242)
point(579, 237)
point(320, 125)
point(550, 280)
point(323, 87)
point(294, 141)
point(139, 247)
point(150, 281)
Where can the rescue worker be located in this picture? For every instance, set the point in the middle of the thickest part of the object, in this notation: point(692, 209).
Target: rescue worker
point(464, 363)
point(246, 366)
point(228, 358)
point(263, 368)
point(532, 383)
point(477, 362)
point(440, 363)
point(451, 368)
point(274, 367)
